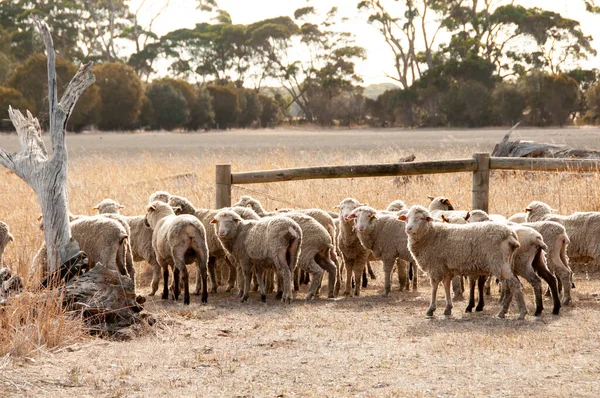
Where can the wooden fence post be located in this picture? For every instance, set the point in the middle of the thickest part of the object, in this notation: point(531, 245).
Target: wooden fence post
point(223, 185)
point(481, 182)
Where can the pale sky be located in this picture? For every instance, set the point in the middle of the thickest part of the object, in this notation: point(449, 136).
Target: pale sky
point(183, 14)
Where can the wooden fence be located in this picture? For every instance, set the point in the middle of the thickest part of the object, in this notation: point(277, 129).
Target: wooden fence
point(480, 165)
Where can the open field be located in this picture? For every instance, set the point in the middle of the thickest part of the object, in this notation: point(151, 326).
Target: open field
point(363, 346)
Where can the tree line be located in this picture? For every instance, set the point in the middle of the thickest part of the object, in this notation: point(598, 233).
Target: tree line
point(456, 63)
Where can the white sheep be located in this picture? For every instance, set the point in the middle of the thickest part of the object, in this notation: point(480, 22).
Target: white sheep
point(5, 238)
point(441, 206)
point(271, 241)
point(443, 250)
point(161, 196)
point(581, 228)
point(354, 254)
point(396, 206)
point(518, 218)
point(254, 204)
point(178, 240)
point(385, 236)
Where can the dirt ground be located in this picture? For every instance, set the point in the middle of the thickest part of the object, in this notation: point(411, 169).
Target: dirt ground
point(367, 346)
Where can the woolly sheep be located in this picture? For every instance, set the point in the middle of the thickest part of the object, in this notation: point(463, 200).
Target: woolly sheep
point(581, 229)
point(175, 238)
point(441, 206)
point(385, 236)
point(396, 206)
point(354, 254)
point(271, 241)
point(254, 204)
point(161, 196)
point(518, 218)
point(110, 208)
point(443, 250)
point(5, 238)
point(316, 252)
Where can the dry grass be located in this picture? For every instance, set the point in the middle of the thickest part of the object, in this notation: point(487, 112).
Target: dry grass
point(367, 346)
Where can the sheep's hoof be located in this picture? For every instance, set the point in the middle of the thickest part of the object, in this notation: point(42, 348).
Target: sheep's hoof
point(556, 310)
point(165, 296)
point(538, 311)
point(186, 300)
point(287, 300)
point(309, 297)
point(204, 299)
point(522, 316)
point(430, 312)
point(263, 298)
point(502, 315)
point(458, 297)
point(229, 288)
point(479, 308)
point(244, 299)
point(151, 294)
point(566, 301)
point(448, 311)
point(469, 308)
point(213, 290)
point(357, 293)
point(331, 295)
point(279, 295)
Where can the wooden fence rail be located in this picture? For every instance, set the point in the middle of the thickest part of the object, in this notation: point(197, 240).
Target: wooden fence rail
point(480, 165)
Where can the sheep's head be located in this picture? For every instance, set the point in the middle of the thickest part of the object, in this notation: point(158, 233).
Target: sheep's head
point(536, 210)
point(364, 218)
point(347, 206)
point(440, 203)
point(418, 220)
point(181, 205)
point(396, 206)
point(226, 223)
point(250, 202)
point(477, 216)
point(161, 196)
point(156, 211)
point(108, 206)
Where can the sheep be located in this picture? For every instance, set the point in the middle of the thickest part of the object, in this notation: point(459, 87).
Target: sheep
point(518, 218)
point(161, 196)
point(5, 238)
point(271, 241)
point(216, 252)
point(442, 250)
point(254, 204)
point(316, 252)
point(140, 239)
point(110, 208)
point(396, 206)
point(441, 206)
point(385, 236)
point(354, 254)
point(480, 215)
point(101, 238)
point(178, 240)
point(580, 227)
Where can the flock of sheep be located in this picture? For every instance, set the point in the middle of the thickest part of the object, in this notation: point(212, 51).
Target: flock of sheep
point(291, 247)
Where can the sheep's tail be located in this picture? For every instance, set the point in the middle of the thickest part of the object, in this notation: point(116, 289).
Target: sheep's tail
point(294, 246)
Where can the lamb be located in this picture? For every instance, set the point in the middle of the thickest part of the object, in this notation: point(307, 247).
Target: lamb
point(216, 252)
point(581, 229)
point(110, 208)
point(443, 250)
point(140, 239)
point(101, 238)
point(5, 238)
point(161, 196)
point(354, 254)
point(177, 240)
point(271, 241)
point(385, 236)
point(316, 252)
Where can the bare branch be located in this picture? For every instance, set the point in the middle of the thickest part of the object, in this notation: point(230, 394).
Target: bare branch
point(52, 89)
point(30, 134)
point(7, 160)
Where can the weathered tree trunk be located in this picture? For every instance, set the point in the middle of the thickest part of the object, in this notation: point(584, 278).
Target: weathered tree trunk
point(48, 176)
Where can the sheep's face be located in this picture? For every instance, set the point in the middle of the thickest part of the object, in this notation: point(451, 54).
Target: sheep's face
point(417, 220)
point(226, 223)
point(250, 202)
point(161, 196)
point(396, 206)
point(155, 212)
point(364, 218)
point(536, 210)
point(440, 203)
point(477, 216)
point(346, 207)
point(108, 206)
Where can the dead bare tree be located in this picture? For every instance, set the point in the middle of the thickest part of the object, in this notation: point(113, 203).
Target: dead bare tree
point(46, 175)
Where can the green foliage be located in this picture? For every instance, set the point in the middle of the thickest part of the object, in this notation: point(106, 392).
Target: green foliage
point(250, 107)
point(226, 106)
point(14, 98)
point(508, 103)
point(170, 108)
point(468, 104)
point(121, 94)
point(146, 117)
point(550, 98)
point(271, 114)
point(31, 79)
point(592, 96)
point(198, 103)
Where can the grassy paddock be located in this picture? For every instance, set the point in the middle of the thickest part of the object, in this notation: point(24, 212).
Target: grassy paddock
point(367, 346)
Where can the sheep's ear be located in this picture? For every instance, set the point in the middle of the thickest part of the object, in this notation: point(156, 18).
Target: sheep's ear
point(176, 208)
point(402, 217)
point(554, 210)
point(446, 201)
point(121, 207)
point(11, 238)
point(430, 197)
point(468, 215)
point(248, 205)
point(40, 218)
point(429, 219)
point(364, 204)
point(95, 208)
point(151, 208)
point(351, 216)
point(373, 215)
point(527, 209)
point(213, 221)
point(444, 219)
point(336, 207)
